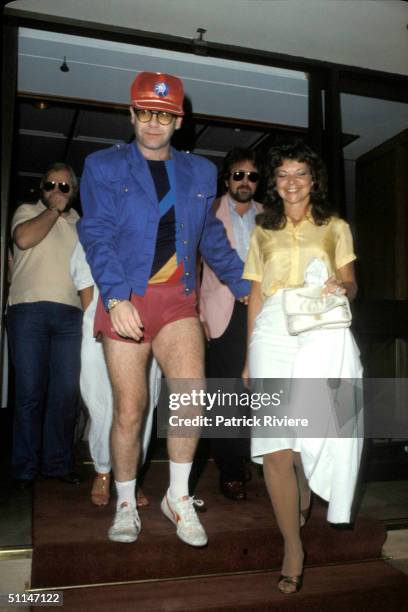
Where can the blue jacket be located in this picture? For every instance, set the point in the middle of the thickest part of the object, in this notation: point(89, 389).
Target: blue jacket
point(121, 216)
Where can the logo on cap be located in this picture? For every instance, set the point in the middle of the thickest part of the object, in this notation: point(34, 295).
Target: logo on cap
point(158, 91)
point(161, 89)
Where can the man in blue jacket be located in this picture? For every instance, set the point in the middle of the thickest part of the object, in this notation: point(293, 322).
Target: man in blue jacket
point(147, 210)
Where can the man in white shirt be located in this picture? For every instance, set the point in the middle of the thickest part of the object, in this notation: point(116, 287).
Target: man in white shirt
point(96, 389)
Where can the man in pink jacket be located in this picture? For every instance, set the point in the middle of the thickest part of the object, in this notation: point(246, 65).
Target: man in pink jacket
point(223, 316)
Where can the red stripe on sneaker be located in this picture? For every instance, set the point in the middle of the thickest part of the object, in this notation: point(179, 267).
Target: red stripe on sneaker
point(176, 516)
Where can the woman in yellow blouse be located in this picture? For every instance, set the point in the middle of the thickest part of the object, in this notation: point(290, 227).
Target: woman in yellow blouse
point(295, 229)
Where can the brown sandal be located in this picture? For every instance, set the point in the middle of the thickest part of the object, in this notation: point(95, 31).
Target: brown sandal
point(141, 499)
point(100, 493)
point(293, 582)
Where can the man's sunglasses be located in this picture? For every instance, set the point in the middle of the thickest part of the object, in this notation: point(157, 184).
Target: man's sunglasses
point(163, 117)
point(253, 177)
point(63, 187)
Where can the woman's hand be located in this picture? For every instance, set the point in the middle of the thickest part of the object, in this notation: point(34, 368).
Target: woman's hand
point(346, 285)
point(332, 285)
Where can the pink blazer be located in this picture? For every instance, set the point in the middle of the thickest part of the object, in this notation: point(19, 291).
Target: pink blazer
point(216, 300)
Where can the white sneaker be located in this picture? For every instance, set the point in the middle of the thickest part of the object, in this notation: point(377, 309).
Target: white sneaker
point(126, 525)
point(181, 512)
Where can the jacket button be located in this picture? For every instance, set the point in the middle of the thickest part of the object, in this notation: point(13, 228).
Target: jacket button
point(186, 290)
point(187, 274)
point(185, 241)
point(200, 195)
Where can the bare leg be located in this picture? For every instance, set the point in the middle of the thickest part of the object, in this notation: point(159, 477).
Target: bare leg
point(280, 478)
point(127, 371)
point(179, 350)
point(100, 493)
point(304, 489)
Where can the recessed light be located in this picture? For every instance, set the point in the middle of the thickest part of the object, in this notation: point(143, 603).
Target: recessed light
point(41, 105)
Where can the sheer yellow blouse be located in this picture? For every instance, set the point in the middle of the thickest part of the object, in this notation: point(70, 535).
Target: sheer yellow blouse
point(279, 258)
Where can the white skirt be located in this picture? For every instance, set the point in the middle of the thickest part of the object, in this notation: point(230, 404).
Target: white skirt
point(331, 464)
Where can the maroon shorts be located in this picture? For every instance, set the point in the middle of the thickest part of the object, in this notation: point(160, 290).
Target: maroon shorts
point(161, 304)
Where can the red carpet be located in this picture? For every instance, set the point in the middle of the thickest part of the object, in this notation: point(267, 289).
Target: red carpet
point(348, 588)
point(344, 572)
point(71, 546)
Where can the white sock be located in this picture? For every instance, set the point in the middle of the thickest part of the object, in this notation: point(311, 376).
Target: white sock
point(179, 475)
point(126, 492)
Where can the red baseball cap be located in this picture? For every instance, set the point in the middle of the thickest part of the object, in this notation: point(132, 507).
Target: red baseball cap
point(158, 91)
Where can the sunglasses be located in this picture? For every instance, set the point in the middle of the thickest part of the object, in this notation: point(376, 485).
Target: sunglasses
point(253, 177)
point(163, 117)
point(50, 186)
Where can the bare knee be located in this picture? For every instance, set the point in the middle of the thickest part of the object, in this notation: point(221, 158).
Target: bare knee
point(128, 416)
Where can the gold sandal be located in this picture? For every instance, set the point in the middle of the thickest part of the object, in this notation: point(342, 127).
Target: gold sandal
point(100, 493)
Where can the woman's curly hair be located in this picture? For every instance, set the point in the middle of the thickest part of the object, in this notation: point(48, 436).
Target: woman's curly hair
point(274, 216)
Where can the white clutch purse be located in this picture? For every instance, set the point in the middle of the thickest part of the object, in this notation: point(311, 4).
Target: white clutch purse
point(306, 308)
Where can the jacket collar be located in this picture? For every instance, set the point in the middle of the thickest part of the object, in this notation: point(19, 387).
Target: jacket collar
point(141, 173)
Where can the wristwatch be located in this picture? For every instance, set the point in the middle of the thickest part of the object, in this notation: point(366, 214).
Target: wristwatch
point(112, 302)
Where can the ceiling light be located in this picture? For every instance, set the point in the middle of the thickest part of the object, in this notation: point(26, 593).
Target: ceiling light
point(198, 44)
point(64, 66)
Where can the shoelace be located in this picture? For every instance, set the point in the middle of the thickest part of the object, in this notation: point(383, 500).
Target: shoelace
point(198, 502)
point(188, 511)
point(124, 515)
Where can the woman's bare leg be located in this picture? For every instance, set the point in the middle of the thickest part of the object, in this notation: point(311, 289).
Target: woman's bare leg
point(304, 489)
point(282, 485)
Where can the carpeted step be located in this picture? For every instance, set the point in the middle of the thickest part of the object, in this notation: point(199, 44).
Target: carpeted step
point(71, 546)
point(363, 586)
